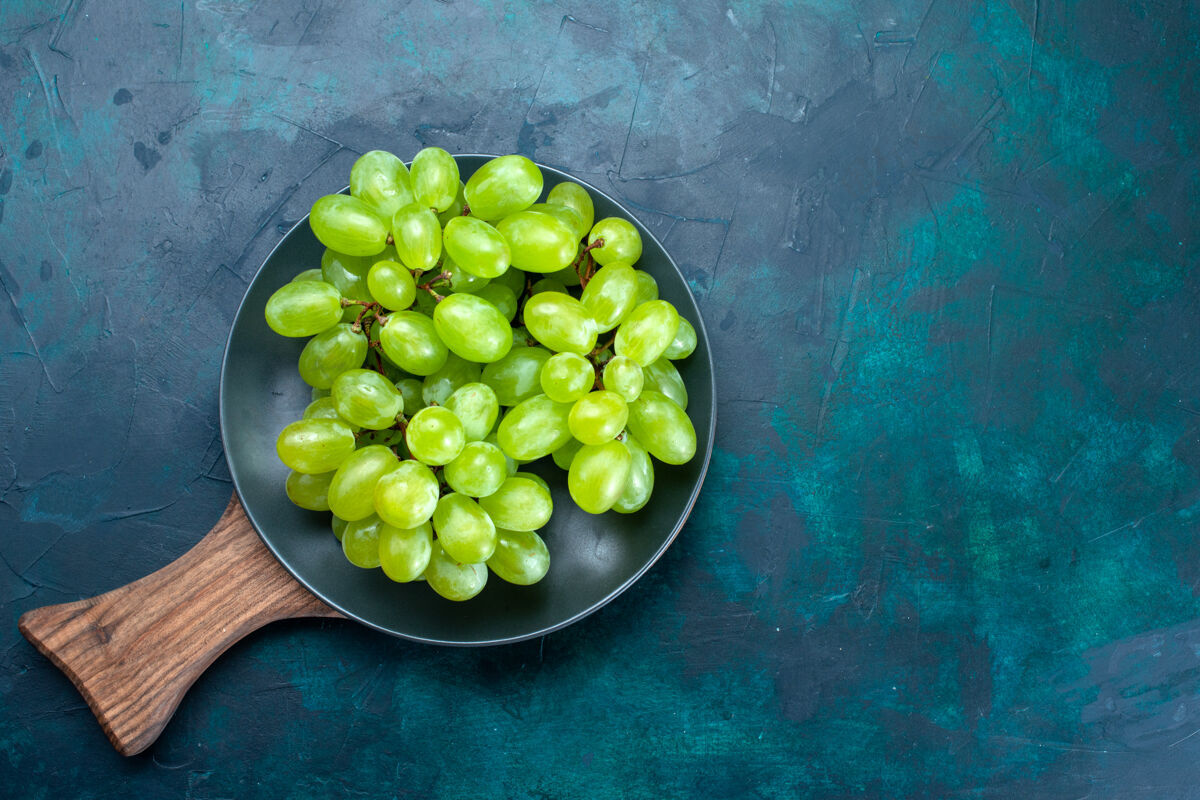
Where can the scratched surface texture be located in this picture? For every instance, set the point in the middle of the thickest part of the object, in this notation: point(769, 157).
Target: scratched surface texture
point(947, 253)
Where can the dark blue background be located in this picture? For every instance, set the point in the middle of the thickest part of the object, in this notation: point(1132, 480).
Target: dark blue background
point(947, 252)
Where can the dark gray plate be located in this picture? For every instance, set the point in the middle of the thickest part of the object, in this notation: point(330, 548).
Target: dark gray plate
point(592, 558)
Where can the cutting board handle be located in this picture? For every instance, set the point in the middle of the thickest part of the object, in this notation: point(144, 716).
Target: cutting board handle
point(133, 652)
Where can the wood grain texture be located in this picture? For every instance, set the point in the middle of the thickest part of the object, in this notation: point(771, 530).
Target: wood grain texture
point(133, 652)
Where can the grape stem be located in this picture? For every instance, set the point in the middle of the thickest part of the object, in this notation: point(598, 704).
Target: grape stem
point(600, 348)
point(391, 239)
point(585, 257)
point(428, 285)
point(466, 209)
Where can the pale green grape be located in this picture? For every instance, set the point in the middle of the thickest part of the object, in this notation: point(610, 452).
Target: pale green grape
point(348, 225)
point(352, 492)
point(662, 427)
point(538, 242)
point(392, 285)
point(560, 322)
point(476, 407)
point(313, 274)
point(404, 552)
point(435, 436)
point(640, 483)
point(547, 285)
point(622, 242)
point(566, 377)
point(514, 378)
point(366, 398)
point(597, 475)
point(317, 394)
point(309, 491)
point(348, 274)
point(457, 279)
point(418, 237)
point(411, 341)
point(456, 372)
point(455, 208)
point(330, 353)
point(574, 196)
point(533, 476)
point(684, 343)
point(478, 470)
point(407, 496)
point(472, 328)
point(304, 308)
point(339, 527)
point(566, 276)
point(313, 446)
point(477, 247)
point(381, 180)
point(465, 530)
point(410, 390)
point(360, 541)
point(503, 186)
point(452, 580)
point(567, 216)
point(434, 178)
point(647, 287)
point(624, 376)
point(326, 408)
point(661, 376)
point(501, 297)
point(610, 295)
point(534, 428)
point(564, 455)
point(597, 417)
point(520, 558)
point(647, 331)
point(520, 504)
point(514, 279)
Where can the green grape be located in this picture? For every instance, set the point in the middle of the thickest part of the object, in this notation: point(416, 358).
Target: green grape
point(457, 279)
point(547, 285)
point(452, 580)
point(598, 474)
point(309, 491)
point(567, 216)
point(574, 196)
point(662, 427)
point(313, 446)
point(339, 527)
point(567, 276)
point(348, 225)
point(533, 476)
point(410, 390)
point(360, 541)
point(566, 377)
point(647, 287)
point(366, 398)
point(597, 417)
point(534, 428)
point(392, 285)
point(538, 242)
point(520, 504)
point(610, 295)
point(503, 186)
point(435, 436)
point(622, 242)
point(564, 455)
point(477, 247)
point(348, 274)
point(456, 372)
point(330, 353)
point(303, 308)
point(501, 297)
point(465, 530)
point(514, 279)
point(647, 331)
point(520, 558)
point(434, 178)
point(684, 343)
point(640, 483)
point(472, 328)
point(510, 464)
point(352, 492)
point(326, 408)
point(382, 181)
point(407, 496)
point(560, 322)
point(455, 209)
point(514, 378)
point(411, 341)
point(661, 376)
point(476, 407)
point(478, 470)
point(313, 274)
point(623, 376)
point(317, 394)
point(404, 552)
point(418, 237)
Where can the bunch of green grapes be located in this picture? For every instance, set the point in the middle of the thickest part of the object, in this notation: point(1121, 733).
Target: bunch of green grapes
point(459, 332)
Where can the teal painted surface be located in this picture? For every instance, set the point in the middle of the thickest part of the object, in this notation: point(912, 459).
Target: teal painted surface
point(948, 257)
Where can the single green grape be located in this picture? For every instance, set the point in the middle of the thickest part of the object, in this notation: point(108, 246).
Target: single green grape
point(434, 178)
point(360, 541)
point(352, 492)
point(574, 196)
point(647, 287)
point(313, 446)
point(567, 276)
point(684, 343)
point(624, 376)
point(662, 427)
point(501, 297)
point(560, 322)
point(330, 353)
point(309, 491)
point(410, 340)
point(610, 295)
point(566, 377)
point(647, 331)
point(303, 308)
point(662, 376)
point(456, 372)
point(367, 398)
point(339, 527)
point(640, 483)
point(520, 504)
point(452, 580)
point(382, 181)
point(547, 285)
point(564, 455)
point(472, 328)
point(317, 394)
point(404, 552)
point(534, 428)
point(348, 225)
point(407, 496)
point(348, 274)
point(326, 408)
point(567, 216)
point(410, 390)
point(503, 186)
point(418, 237)
point(313, 274)
point(478, 470)
point(538, 242)
point(435, 436)
point(457, 279)
point(476, 407)
point(514, 279)
point(597, 417)
point(465, 530)
point(477, 247)
point(392, 285)
point(533, 476)
point(521, 557)
point(515, 377)
point(622, 242)
point(598, 474)
point(455, 209)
